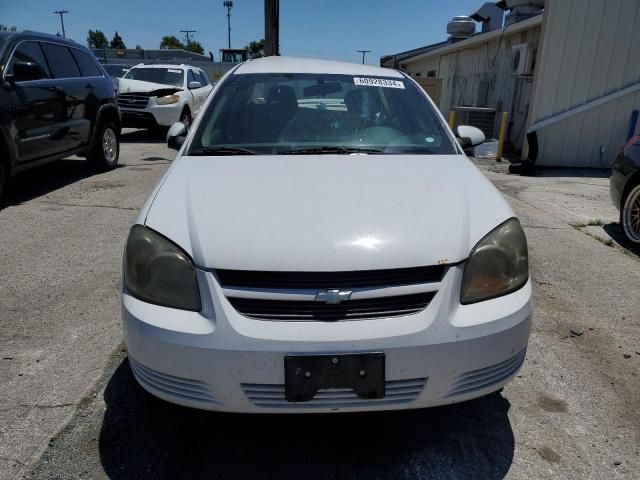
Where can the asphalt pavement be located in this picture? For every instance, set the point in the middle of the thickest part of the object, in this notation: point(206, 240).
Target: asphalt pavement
point(69, 407)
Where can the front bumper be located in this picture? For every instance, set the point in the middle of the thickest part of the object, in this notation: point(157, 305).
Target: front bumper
point(219, 360)
point(151, 116)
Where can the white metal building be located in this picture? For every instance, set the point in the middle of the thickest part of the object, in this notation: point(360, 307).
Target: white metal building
point(568, 75)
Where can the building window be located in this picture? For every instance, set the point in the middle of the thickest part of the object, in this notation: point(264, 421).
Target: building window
point(432, 73)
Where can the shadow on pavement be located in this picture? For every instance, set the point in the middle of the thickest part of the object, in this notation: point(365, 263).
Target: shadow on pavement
point(45, 179)
point(158, 135)
point(571, 172)
point(143, 437)
point(614, 230)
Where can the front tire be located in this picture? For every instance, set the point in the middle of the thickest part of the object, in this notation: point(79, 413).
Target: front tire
point(3, 182)
point(185, 117)
point(106, 149)
point(630, 215)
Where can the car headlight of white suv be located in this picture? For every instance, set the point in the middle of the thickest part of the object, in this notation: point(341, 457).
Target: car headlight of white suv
point(159, 272)
point(498, 264)
point(168, 99)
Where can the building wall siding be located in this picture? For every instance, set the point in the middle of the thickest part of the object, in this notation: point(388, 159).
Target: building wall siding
point(490, 62)
point(589, 51)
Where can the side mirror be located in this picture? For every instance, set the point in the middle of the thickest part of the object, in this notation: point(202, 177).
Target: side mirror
point(10, 78)
point(469, 136)
point(176, 135)
point(194, 85)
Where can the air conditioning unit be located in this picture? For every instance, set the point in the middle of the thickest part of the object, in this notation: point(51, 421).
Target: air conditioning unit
point(522, 59)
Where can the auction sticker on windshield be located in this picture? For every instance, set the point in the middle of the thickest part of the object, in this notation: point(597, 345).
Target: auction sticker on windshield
point(378, 82)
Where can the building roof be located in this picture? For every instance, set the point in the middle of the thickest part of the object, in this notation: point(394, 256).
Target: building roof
point(309, 65)
point(448, 47)
point(399, 57)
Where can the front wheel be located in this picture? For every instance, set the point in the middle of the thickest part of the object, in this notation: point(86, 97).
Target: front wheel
point(185, 117)
point(106, 149)
point(630, 215)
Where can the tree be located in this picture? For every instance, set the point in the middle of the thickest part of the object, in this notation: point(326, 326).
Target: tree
point(170, 41)
point(256, 48)
point(117, 42)
point(5, 28)
point(96, 39)
point(194, 46)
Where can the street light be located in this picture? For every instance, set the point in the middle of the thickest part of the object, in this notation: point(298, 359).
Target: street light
point(228, 4)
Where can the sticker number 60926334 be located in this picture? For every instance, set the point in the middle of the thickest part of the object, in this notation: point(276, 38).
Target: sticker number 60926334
point(378, 82)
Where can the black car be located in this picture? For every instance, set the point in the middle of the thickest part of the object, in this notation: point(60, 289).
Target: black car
point(625, 189)
point(55, 101)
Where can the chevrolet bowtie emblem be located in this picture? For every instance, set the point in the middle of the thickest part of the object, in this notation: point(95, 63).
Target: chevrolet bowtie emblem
point(333, 296)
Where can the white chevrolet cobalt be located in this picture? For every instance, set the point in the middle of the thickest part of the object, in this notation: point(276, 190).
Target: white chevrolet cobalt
point(321, 243)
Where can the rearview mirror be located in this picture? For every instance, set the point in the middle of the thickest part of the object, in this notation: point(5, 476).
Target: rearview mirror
point(194, 85)
point(176, 135)
point(469, 136)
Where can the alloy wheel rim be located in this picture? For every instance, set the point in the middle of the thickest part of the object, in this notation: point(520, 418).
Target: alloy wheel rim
point(109, 145)
point(631, 215)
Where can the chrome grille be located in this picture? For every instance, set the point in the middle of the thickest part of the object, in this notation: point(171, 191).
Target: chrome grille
point(396, 391)
point(296, 310)
point(133, 100)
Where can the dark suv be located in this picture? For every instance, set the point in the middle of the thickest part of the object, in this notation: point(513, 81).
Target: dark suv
point(55, 101)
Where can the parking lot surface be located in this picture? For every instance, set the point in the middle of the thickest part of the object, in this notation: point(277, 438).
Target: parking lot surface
point(70, 408)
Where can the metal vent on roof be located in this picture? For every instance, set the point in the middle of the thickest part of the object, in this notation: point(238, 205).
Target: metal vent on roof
point(461, 27)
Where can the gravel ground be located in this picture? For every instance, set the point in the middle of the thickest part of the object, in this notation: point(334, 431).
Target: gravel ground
point(69, 407)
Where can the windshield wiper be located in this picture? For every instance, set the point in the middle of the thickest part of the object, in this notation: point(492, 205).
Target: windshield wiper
point(221, 151)
point(329, 150)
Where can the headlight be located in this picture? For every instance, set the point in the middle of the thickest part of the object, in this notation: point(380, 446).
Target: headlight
point(168, 99)
point(498, 265)
point(157, 271)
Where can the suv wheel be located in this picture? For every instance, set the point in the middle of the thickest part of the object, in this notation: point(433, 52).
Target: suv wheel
point(106, 149)
point(185, 117)
point(630, 215)
point(3, 181)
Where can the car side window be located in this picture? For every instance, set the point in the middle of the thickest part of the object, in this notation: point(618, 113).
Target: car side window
point(87, 65)
point(204, 80)
point(60, 60)
point(28, 63)
point(191, 77)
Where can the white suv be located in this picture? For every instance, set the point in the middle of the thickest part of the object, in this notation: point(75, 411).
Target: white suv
point(151, 96)
point(320, 244)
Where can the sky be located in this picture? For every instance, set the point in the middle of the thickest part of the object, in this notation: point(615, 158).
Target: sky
point(333, 29)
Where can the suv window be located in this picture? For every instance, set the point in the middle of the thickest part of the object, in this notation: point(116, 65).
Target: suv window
point(61, 61)
point(163, 75)
point(191, 77)
point(29, 55)
point(87, 65)
point(203, 79)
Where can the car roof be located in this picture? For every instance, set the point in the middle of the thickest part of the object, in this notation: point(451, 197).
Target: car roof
point(311, 65)
point(31, 35)
point(163, 65)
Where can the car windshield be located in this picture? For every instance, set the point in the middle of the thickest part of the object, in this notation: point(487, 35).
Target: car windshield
point(318, 113)
point(165, 76)
point(116, 70)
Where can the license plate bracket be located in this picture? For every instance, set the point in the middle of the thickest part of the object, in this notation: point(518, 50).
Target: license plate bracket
point(306, 374)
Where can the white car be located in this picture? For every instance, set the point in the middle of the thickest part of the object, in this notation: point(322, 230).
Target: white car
point(321, 243)
point(153, 96)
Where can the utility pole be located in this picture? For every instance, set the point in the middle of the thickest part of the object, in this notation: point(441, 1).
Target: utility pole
point(271, 27)
point(61, 13)
point(364, 52)
point(187, 33)
point(228, 4)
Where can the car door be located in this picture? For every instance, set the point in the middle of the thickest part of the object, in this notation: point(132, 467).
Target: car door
point(37, 110)
point(197, 98)
point(91, 80)
point(74, 89)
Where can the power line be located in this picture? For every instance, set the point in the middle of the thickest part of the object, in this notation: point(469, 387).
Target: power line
point(186, 33)
point(61, 13)
point(228, 4)
point(364, 52)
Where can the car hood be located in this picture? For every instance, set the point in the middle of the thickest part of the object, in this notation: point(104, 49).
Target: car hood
point(325, 212)
point(128, 85)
